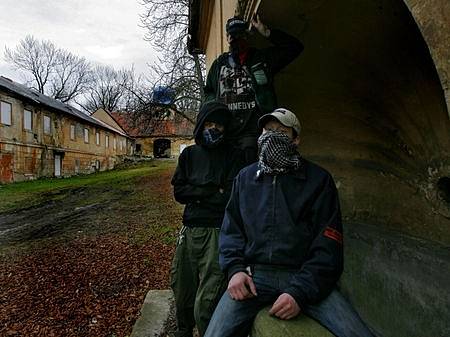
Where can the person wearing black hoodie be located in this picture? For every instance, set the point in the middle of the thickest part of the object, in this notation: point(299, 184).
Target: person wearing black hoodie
point(202, 182)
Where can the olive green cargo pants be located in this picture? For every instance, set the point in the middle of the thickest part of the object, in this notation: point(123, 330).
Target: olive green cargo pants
point(196, 278)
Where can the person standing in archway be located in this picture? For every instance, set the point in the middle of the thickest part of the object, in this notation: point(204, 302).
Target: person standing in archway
point(243, 79)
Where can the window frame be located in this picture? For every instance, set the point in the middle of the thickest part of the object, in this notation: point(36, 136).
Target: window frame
point(2, 122)
point(86, 135)
point(74, 134)
point(31, 120)
point(49, 124)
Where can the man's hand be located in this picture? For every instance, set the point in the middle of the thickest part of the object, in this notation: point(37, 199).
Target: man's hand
point(241, 287)
point(285, 307)
point(260, 27)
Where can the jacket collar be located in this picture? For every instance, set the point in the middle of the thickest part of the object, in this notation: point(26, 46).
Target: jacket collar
point(298, 174)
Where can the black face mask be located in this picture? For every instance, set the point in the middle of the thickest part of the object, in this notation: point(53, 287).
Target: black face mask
point(212, 137)
point(237, 46)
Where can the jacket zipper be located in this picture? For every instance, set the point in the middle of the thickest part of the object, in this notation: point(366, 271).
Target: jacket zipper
point(274, 185)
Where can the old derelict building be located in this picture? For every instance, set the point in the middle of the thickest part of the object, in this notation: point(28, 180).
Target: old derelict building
point(42, 137)
point(165, 137)
point(371, 89)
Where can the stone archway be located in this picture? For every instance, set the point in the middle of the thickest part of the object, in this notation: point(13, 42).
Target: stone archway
point(374, 112)
point(373, 109)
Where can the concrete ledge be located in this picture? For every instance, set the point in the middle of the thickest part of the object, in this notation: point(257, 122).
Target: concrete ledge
point(301, 326)
point(154, 314)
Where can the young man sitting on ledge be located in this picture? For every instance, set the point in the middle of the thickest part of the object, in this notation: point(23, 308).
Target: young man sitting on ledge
point(281, 240)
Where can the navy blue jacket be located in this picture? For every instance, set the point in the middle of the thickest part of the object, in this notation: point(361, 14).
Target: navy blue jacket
point(290, 220)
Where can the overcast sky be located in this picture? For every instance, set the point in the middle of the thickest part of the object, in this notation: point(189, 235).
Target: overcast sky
point(104, 31)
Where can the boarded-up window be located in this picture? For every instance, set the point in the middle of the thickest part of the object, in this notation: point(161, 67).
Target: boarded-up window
point(29, 165)
point(5, 113)
point(106, 141)
point(86, 135)
point(47, 125)
point(72, 131)
point(27, 120)
point(97, 138)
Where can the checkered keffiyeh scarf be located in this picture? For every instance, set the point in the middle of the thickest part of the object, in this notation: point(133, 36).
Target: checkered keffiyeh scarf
point(277, 153)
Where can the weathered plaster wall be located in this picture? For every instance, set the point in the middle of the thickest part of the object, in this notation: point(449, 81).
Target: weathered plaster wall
point(217, 44)
point(28, 154)
point(432, 17)
point(102, 115)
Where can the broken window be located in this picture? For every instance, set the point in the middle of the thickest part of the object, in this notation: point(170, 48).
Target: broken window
point(27, 120)
point(47, 125)
point(5, 113)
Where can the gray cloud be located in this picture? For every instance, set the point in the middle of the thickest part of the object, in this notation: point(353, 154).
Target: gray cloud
point(104, 31)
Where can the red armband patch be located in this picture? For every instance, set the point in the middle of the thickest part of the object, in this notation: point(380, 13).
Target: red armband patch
point(333, 234)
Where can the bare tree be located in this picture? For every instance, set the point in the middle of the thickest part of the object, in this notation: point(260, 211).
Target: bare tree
point(36, 58)
point(108, 89)
point(146, 105)
point(72, 77)
point(50, 70)
point(167, 23)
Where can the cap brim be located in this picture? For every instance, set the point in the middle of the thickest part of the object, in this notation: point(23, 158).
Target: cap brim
point(265, 118)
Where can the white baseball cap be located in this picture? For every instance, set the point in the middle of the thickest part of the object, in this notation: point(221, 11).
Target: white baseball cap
point(284, 116)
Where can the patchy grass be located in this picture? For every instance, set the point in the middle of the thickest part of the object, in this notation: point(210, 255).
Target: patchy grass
point(31, 193)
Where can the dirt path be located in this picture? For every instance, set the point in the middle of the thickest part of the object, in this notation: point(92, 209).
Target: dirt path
point(52, 217)
point(80, 263)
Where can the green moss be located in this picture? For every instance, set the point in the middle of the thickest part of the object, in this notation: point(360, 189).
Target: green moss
point(301, 326)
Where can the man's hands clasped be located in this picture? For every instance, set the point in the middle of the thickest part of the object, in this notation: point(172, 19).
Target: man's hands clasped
point(241, 287)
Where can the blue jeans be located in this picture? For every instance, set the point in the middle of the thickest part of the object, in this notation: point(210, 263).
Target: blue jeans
point(235, 318)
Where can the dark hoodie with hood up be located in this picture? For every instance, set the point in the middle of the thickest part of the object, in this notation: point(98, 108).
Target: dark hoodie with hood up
point(204, 175)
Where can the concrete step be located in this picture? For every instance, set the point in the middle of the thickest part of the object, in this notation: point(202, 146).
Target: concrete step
point(154, 314)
